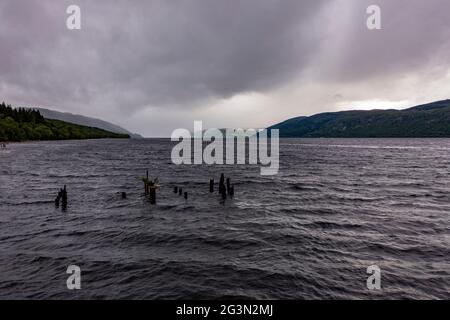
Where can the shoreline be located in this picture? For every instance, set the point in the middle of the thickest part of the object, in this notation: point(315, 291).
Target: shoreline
point(28, 141)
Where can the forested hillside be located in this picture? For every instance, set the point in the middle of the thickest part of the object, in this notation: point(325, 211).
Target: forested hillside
point(21, 124)
point(425, 121)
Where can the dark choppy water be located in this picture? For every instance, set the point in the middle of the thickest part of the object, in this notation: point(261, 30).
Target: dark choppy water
point(336, 207)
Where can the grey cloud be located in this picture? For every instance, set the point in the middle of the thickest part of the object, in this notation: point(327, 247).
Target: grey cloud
point(165, 52)
point(166, 60)
point(414, 34)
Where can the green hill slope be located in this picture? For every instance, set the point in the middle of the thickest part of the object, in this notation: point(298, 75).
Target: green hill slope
point(25, 124)
point(430, 120)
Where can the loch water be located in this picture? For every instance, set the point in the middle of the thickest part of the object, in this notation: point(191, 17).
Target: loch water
point(336, 207)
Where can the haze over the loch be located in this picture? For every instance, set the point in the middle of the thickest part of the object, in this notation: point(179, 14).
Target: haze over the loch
point(153, 66)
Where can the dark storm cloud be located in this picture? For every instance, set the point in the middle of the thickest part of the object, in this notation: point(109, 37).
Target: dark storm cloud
point(154, 65)
point(153, 52)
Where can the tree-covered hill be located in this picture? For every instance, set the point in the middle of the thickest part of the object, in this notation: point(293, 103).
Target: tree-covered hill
point(22, 124)
point(426, 121)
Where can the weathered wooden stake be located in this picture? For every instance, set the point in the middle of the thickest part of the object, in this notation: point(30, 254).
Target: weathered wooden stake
point(211, 185)
point(222, 184)
point(146, 187)
point(57, 199)
point(152, 195)
point(64, 198)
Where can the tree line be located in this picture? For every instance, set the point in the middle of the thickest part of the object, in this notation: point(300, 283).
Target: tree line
point(22, 124)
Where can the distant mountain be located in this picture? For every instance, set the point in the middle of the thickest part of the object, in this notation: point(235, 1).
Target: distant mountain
point(430, 120)
point(24, 124)
point(86, 121)
point(231, 134)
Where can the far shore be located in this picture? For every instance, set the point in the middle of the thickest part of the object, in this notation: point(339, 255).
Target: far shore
point(28, 141)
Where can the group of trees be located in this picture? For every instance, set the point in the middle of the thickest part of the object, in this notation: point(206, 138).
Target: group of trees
point(21, 124)
point(21, 114)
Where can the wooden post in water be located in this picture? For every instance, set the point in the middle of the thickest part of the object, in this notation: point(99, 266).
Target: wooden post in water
point(64, 198)
point(211, 185)
point(152, 195)
point(224, 194)
point(58, 198)
point(124, 195)
point(150, 187)
point(186, 195)
point(180, 191)
point(175, 189)
point(222, 184)
point(146, 184)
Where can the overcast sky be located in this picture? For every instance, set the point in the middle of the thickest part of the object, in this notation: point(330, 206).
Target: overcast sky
point(153, 66)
